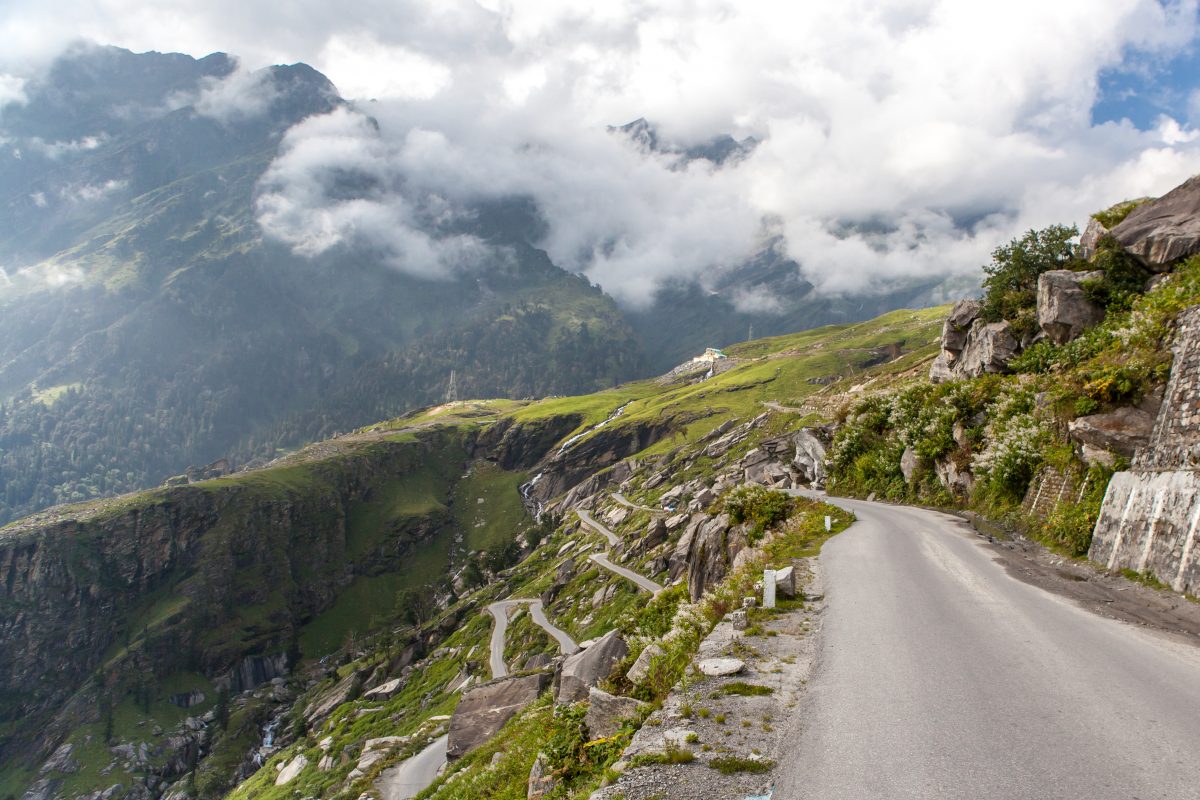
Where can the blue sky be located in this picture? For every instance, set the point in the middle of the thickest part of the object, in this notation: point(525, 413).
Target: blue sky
point(1146, 87)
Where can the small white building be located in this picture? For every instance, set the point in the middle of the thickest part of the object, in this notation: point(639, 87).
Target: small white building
point(710, 355)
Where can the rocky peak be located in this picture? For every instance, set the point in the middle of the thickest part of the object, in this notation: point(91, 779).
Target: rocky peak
point(1164, 231)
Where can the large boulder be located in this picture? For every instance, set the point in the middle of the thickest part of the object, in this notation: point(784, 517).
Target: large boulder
point(908, 463)
point(989, 348)
point(958, 480)
point(482, 711)
point(385, 690)
point(1122, 431)
point(605, 712)
point(678, 560)
point(972, 346)
point(707, 561)
point(656, 534)
point(1089, 241)
point(809, 460)
point(583, 670)
point(640, 670)
point(1163, 231)
point(61, 760)
point(290, 772)
point(958, 324)
point(942, 368)
point(343, 691)
point(1063, 310)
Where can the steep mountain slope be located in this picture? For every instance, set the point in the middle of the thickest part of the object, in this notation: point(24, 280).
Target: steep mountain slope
point(146, 325)
point(127, 616)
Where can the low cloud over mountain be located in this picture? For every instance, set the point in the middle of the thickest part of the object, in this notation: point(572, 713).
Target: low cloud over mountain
point(896, 142)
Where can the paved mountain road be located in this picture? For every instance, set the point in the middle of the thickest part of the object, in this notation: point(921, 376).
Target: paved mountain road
point(591, 522)
point(408, 778)
point(499, 612)
point(942, 676)
point(642, 581)
point(602, 558)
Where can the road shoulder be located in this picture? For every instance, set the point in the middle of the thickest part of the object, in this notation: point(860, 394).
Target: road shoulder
point(710, 719)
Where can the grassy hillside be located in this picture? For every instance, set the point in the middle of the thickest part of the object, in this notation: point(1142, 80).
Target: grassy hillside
point(311, 556)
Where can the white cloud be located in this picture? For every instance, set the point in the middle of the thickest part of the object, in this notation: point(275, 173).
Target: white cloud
point(56, 150)
point(334, 183)
point(367, 68)
point(12, 89)
point(240, 95)
point(899, 139)
point(89, 192)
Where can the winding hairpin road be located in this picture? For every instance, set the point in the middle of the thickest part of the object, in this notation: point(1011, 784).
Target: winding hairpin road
point(499, 612)
point(641, 581)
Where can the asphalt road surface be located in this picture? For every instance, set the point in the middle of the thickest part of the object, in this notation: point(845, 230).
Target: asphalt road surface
point(499, 612)
point(590, 521)
point(410, 776)
point(642, 581)
point(941, 676)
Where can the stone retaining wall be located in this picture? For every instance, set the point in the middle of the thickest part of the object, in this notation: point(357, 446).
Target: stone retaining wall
point(1175, 441)
point(1150, 514)
point(1047, 490)
point(1148, 524)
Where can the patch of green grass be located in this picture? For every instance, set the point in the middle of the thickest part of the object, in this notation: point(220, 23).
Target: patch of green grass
point(729, 765)
point(371, 599)
point(52, 394)
point(1112, 216)
point(1146, 578)
point(501, 514)
point(672, 755)
point(743, 689)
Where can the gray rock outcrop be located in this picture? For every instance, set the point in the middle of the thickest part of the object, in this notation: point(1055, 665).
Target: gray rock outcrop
point(1163, 231)
point(809, 460)
point(290, 772)
point(989, 348)
point(707, 559)
point(605, 712)
point(1089, 241)
point(971, 346)
point(61, 760)
point(583, 670)
point(959, 480)
point(908, 463)
point(1122, 431)
point(1063, 310)
point(640, 670)
point(483, 710)
point(958, 324)
point(541, 782)
point(343, 691)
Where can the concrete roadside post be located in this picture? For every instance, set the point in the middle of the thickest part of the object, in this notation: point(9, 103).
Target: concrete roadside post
point(768, 588)
point(828, 523)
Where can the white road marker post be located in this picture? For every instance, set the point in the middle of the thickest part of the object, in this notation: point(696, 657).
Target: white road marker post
point(828, 523)
point(768, 588)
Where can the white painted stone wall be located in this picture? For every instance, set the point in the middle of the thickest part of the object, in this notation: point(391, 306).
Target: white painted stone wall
point(1148, 523)
point(1150, 514)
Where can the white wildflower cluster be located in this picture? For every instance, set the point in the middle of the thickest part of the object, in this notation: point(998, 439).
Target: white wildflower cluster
point(1014, 448)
